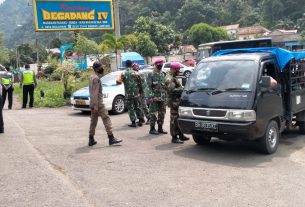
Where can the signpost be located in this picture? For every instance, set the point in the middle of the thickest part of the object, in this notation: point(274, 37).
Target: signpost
point(67, 15)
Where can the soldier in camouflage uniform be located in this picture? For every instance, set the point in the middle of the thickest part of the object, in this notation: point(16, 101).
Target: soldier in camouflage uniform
point(133, 90)
point(97, 106)
point(157, 96)
point(143, 98)
point(174, 91)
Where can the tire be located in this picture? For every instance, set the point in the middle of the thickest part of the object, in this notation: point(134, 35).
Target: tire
point(302, 127)
point(269, 142)
point(118, 105)
point(187, 73)
point(201, 139)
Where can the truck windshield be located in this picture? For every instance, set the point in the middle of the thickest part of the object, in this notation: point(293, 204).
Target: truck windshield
point(230, 75)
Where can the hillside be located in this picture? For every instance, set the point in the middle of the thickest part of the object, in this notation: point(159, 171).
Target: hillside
point(180, 14)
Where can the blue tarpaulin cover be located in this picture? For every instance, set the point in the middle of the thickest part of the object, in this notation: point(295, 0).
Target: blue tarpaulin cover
point(133, 56)
point(282, 56)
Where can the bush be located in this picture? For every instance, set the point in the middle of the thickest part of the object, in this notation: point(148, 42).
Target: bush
point(55, 77)
point(53, 93)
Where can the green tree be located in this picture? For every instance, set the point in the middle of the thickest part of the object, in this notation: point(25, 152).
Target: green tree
point(145, 46)
point(273, 10)
point(129, 42)
point(163, 36)
point(84, 46)
point(112, 44)
point(204, 33)
point(193, 12)
point(55, 43)
point(4, 53)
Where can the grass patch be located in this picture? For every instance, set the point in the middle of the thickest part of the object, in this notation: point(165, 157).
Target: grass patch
point(53, 91)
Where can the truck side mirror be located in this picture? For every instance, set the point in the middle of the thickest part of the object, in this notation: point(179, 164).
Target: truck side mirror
point(265, 83)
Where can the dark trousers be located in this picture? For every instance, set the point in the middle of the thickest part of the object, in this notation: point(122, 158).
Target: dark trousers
point(28, 90)
point(1, 116)
point(8, 92)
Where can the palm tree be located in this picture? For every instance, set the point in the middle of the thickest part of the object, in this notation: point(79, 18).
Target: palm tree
point(113, 44)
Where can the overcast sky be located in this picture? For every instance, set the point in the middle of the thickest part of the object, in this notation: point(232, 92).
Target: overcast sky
point(2, 1)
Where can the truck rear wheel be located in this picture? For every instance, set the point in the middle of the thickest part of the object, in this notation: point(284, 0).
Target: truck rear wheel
point(201, 139)
point(269, 142)
point(302, 127)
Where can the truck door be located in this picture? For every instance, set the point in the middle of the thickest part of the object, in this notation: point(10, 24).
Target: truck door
point(269, 102)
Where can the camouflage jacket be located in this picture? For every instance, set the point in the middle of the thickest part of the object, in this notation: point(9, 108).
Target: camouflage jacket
point(144, 84)
point(174, 90)
point(133, 83)
point(156, 86)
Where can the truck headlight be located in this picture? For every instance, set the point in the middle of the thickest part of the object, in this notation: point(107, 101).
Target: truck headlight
point(185, 112)
point(105, 95)
point(242, 115)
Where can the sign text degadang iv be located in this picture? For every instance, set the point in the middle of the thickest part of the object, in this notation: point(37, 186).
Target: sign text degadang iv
point(67, 15)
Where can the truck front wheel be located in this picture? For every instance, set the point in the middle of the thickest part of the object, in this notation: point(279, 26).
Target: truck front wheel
point(270, 140)
point(201, 139)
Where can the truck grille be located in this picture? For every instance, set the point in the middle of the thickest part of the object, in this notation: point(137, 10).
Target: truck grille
point(211, 113)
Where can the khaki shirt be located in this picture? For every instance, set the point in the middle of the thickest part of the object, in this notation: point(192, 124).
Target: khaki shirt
point(95, 91)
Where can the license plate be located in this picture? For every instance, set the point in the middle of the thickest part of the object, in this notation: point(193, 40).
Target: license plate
point(206, 126)
point(80, 102)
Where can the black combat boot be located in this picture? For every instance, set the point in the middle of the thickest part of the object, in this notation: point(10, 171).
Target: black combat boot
point(176, 140)
point(182, 137)
point(153, 130)
point(141, 122)
point(91, 141)
point(160, 130)
point(113, 140)
point(133, 124)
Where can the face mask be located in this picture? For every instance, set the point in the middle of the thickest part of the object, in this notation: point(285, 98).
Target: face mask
point(100, 71)
point(159, 67)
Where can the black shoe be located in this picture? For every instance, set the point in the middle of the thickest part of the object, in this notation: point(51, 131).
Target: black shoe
point(113, 140)
point(161, 131)
point(183, 138)
point(153, 131)
point(1, 131)
point(141, 122)
point(91, 141)
point(133, 124)
point(9, 108)
point(176, 140)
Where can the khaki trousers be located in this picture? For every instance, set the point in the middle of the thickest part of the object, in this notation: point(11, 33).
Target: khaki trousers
point(103, 113)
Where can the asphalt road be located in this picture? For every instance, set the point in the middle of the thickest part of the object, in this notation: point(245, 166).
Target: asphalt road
point(45, 161)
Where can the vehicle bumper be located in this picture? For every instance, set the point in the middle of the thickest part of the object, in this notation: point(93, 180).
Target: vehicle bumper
point(226, 130)
point(84, 106)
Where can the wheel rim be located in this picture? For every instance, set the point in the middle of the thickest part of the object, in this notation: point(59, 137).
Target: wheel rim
point(187, 74)
point(119, 105)
point(272, 137)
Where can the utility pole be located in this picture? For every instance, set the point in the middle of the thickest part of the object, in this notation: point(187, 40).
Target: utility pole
point(17, 61)
point(37, 50)
point(117, 30)
point(117, 19)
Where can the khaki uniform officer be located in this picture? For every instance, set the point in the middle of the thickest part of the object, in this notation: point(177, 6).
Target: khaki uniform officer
point(97, 106)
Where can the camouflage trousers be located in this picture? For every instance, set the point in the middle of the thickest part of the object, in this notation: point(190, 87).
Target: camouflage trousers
point(144, 107)
point(157, 111)
point(134, 109)
point(174, 127)
point(103, 113)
